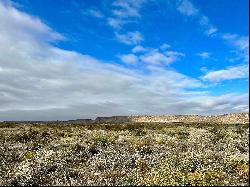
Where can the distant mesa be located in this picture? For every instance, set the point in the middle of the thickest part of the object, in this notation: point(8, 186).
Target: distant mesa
point(81, 121)
point(231, 118)
point(112, 119)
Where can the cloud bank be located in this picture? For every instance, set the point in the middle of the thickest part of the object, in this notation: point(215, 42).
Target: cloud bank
point(233, 72)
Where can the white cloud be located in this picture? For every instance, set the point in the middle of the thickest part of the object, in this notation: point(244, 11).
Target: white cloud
point(127, 8)
point(241, 44)
point(221, 104)
point(232, 72)
point(165, 46)
point(123, 11)
point(204, 55)
point(138, 49)
point(211, 30)
point(155, 57)
point(174, 53)
point(25, 26)
point(130, 38)
point(129, 58)
point(204, 69)
point(39, 81)
point(115, 23)
point(204, 20)
point(187, 8)
point(229, 36)
point(95, 13)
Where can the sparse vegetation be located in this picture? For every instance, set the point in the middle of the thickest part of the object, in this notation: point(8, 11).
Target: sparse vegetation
point(124, 154)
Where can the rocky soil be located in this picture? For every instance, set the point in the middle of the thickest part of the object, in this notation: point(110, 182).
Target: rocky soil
point(124, 154)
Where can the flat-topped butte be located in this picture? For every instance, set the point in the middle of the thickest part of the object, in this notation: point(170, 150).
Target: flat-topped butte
point(231, 118)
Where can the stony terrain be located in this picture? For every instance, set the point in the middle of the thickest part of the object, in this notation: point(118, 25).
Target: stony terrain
point(232, 118)
point(124, 154)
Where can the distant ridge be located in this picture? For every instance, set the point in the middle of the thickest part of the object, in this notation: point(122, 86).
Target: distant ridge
point(242, 118)
point(230, 118)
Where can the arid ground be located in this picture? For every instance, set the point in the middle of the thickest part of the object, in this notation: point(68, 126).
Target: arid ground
point(124, 154)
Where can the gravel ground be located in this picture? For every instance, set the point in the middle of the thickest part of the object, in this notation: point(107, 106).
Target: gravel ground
point(124, 154)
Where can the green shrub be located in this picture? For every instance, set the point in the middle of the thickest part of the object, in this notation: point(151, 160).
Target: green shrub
point(101, 139)
point(29, 155)
point(25, 137)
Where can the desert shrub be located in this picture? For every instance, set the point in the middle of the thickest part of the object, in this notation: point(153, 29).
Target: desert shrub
point(136, 129)
point(114, 177)
point(62, 134)
point(24, 137)
point(168, 177)
point(243, 172)
point(183, 135)
point(180, 134)
point(101, 139)
point(143, 146)
point(9, 155)
point(217, 134)
point(93, 150)
point(7, 125)
point(139, 132)
point(160, 141)
point(130, 181)
point(207, 178)
point(78, 154)
point(142, 166)
point(119, 154)
point(29, 155)
point(238, 168)
point(20, 180)
point(241, 129)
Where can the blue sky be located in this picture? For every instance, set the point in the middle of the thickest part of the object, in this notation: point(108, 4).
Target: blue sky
point(75, 59)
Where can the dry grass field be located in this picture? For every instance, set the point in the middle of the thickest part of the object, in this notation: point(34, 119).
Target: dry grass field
point(124, 154)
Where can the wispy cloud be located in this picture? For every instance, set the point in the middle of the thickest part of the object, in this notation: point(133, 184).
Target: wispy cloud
point(127, 8)
point(204, 55)
point(156, 58)
point(204, 69)
point(187, 8)
point(138, 49)
point(130, 38)
point(232, 72)
point(152, 56)
point(129, 58)
point(123, 11)
point(115, 23)
point(165, 46)
point(211, 30)
point(25, 26)
point(204, 20)
point(240, 43)
point(95, 13)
